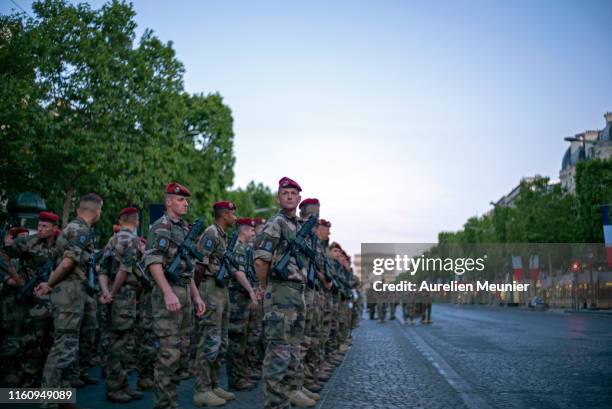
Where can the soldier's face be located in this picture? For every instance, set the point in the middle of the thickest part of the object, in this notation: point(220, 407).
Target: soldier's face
point(45, 230)
point(251, 233)
point(230, 217)
point(323, 232)
point(288, 198)
point(335, 253)
point(178, 204)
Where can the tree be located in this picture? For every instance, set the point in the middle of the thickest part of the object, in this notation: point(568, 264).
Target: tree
point(593, 188)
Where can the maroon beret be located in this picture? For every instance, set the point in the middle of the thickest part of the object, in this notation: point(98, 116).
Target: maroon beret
point(177, 189)
point(224, 204)
point(48, 217)
point(143, 240)
point(259, 220)
point(127, 210)
point(14, 231)
point(309, 201)
point(116, 228)
point(245, 221)
point(335, 245)
point(324, 222)
point(288, 182)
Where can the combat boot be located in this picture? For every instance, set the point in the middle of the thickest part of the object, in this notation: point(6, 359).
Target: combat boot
point(344, 348)
point(224, 394)
point(134, 394)
point(297, 398)
point(242, 385)
point(145, 384)
point(311, 395)
point(118, 396)
point(207, 399)
point(314, 386)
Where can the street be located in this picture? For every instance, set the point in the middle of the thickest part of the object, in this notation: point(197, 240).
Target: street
point(470, 357)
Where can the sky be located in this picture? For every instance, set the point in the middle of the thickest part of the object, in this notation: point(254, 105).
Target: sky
point(404, 118)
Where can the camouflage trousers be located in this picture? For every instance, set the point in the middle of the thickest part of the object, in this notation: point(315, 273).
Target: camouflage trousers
point(239, 312)
point(121, 346)
point(344, 321)
point(255, 340)
point(87, 340)
point(14, 317)
point(284, 316)
point(212, 344)
point(308, 340)
point(331, 346)
point(146, 342)
point(172, 330)
point(325, 322)
point(68, 301)
point(36, 341)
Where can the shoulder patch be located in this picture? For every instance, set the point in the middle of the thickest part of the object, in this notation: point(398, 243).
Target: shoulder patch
point(208, 244)
point(82, 238)
point(241, 259)
point(267, 245)
point(163, 243)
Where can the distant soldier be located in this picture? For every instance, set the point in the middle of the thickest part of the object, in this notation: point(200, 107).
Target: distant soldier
point(426, 307)
point(171, 301)
point(212, 342)
point(37, 255)
point(122, 252)
point(67, 285)
point(243, 301)
point(284, 305)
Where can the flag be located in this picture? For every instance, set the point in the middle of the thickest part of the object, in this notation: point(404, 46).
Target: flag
point(517, 268)
point(607, 229)
point(534, 267)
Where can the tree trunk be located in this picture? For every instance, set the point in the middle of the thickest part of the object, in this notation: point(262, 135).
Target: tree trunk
point(68, 193)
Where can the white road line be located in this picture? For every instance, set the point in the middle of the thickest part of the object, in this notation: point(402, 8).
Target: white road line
point(469, 396)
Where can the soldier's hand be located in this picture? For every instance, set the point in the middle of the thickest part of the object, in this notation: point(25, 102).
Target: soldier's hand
point(200, 306)
point(253, 304)
point(328, 285)
point(42, 289)
point(106, 298)
point(172, 302)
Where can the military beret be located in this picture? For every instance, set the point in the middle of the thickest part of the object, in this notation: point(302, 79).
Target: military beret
point(177, 189)
point(259, 220)
point(116, 228)
point(224, 204)
point(128, 210)
point(288, 182)
point(309, 201)
point(245, 221)
point(324, 222)
point(14, 231)
point(143, 240)
point(48, 217)
point(335, 245)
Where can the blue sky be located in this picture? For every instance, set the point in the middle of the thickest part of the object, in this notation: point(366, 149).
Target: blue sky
point(403, 117)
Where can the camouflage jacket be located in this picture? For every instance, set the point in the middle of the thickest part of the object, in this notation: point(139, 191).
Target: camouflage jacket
point(121, 253)
point(212, 245)
point(165, 237)
point(33, 253)
point(240, 260)
point(76, 243)
point(275, 237)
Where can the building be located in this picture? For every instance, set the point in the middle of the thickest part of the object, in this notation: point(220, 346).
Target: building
point(586, 145)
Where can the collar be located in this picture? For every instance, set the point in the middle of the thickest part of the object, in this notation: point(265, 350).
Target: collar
point(221, 231)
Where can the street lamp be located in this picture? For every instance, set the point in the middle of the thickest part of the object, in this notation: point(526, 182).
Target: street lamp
point(582, 139)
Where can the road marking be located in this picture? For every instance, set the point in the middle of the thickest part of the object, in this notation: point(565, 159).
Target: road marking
point(469, 396)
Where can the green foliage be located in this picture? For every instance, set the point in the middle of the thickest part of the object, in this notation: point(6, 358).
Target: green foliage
point(84, 107)
point(593, 188)
point(254, 200)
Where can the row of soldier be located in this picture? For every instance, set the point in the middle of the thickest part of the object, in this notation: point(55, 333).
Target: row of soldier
point(276, 302)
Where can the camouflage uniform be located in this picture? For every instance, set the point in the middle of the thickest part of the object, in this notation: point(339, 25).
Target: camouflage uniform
point(240, 300)
point(146, 341)
point(256, 348)
point(68, 299)
point(213, 327)
point(171, 328)
point(284, 310)
point(121, 253)
point(34, 253)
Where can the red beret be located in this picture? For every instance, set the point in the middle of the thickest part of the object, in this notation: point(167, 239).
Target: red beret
point(309, 201)
point(324, 222)
point(224, 204)
point(177, 189)
point(13, 231)
point(335, 245)
point(287, 182)
point(127, 210)
point(259, 220)
point(245, 221)
point(116, 228)
point(48, 217)
point(143, 240)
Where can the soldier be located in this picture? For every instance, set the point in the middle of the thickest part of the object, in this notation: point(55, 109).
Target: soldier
point(145, 338)
point(68, 293)
point(171, 302)
point(36, 253)
point(284, 304)
point(243, 301)
point(212, 340)
point(121, 254)
point(426, 307)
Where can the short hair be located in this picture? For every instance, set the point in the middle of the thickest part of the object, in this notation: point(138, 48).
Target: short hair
point(309, 209)
point(242, 227)
point(86, 201)
point(129, 217)
point(218, 212)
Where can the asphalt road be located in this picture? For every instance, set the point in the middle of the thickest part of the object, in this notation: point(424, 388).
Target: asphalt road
point(470, 357)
